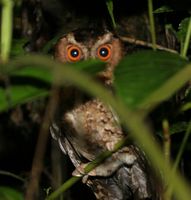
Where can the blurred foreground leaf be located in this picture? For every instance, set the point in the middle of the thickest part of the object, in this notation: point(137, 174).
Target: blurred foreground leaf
point(7, 193)
point(30, 82)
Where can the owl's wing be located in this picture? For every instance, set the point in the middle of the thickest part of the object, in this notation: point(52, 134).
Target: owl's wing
point(107, 188)
point(130, 181)
point(144, 182)
point(64, 144)
point(129, 173)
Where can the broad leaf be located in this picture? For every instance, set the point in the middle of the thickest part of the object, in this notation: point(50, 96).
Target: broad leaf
point(139, 75)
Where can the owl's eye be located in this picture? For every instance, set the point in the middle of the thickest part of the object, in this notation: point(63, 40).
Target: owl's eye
point(104, 52)
point(74, 53)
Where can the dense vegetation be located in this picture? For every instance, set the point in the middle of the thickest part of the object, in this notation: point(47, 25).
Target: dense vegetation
point(152, 90)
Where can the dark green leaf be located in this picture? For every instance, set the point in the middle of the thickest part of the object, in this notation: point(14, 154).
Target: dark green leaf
point(176, 128)
point(140, 74)
point(33, 72)
point(17, 47)
point(7, 193)
point(19, 94)
point(163, 9)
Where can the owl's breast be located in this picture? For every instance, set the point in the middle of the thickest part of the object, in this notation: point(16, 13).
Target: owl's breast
point(92, 128)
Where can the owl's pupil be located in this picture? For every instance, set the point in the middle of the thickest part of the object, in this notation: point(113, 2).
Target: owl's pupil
point(74, 53)
point(103, 52)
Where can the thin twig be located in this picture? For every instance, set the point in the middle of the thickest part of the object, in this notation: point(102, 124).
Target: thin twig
point(37, 166)
point(5, 173)
point(145, 44)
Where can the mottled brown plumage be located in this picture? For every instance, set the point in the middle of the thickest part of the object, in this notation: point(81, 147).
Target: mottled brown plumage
point(90, 127)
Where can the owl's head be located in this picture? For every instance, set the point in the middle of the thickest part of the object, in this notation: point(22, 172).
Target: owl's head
point(84, 44)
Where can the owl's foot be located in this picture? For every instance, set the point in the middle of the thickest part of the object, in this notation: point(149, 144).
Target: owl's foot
point(80, 171)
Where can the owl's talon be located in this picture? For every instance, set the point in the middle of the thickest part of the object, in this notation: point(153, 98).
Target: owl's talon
point(79, 171)
point(85, 179)
point(76, 173)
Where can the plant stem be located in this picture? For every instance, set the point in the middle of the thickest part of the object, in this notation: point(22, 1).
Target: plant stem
point(152, 24)
point(168, 193)
point(166, 144)
point(182, 147)
point(187, 40)
point(6, 28)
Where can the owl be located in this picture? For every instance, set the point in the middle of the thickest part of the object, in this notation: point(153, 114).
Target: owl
point(83, 45)
point(89, 127)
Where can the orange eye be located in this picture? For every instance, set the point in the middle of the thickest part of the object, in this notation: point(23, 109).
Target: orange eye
point(104, 52)
point(74, 53)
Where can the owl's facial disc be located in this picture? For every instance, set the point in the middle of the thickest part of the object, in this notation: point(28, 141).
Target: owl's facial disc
point(68, 49)
point(73, 48)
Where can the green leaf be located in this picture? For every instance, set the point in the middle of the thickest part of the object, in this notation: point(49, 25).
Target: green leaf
point(176, 128)
point(109, 4)
point(36, 72)
point(28, 83)
point(17, 47)
point(139, 75)
point(19, 94)
point(182, 29)
point(7, 193)
point(163, 9)
point(89, 66)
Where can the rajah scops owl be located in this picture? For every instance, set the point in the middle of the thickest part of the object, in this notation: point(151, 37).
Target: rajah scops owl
point(89, 127)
